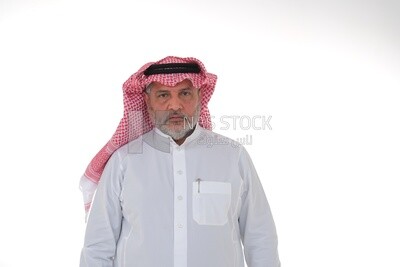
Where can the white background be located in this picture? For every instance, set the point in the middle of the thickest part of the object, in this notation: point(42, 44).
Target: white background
point(328, 72)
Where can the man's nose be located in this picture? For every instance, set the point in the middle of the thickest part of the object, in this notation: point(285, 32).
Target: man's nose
point(174, 103)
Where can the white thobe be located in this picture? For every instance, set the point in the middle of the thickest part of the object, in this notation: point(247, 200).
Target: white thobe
point(159, 204)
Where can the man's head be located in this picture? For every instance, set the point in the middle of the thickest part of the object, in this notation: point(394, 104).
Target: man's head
point(169, 72)
point(175, 109)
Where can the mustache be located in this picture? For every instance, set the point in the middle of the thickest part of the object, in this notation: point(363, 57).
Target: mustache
point(164, 116)
point(177, 115)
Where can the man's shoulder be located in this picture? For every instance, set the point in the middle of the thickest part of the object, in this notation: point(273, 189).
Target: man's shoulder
point(134, 146)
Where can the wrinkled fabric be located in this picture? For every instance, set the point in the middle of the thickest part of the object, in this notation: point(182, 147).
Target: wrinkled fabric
point(193, 205)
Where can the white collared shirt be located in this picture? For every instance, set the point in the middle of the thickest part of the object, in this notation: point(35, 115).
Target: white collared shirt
point(159, 204)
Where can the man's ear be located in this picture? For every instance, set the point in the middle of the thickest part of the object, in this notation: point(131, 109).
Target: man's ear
point(146, 98)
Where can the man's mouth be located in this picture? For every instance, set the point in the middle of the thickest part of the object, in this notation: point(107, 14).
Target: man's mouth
point(176, 119)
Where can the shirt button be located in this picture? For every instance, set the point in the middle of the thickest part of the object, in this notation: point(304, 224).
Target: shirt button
point(180, 197)
point(179, 148)
point(180, 225)
point(180, 172)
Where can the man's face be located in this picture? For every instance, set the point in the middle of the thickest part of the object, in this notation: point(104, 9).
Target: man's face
point(174, 110)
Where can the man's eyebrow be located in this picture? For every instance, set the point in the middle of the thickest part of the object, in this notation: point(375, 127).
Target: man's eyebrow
point(187, 88)
point(162, 91)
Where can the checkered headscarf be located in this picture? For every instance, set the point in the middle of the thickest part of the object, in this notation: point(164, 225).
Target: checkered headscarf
point(136, 120)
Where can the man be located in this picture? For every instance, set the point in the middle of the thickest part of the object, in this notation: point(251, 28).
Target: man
point(177, 195)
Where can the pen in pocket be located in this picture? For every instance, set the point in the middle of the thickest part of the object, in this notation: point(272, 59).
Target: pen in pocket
point(198, 185)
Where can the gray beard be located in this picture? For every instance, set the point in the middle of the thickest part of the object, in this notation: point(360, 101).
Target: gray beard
point(176, 134)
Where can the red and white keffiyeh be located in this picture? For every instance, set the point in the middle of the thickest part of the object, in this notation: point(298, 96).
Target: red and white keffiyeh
point(136, 120)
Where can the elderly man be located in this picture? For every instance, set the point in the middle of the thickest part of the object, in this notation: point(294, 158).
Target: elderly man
point(171, 193)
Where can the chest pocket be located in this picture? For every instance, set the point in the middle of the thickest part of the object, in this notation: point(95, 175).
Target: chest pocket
point(210, 202)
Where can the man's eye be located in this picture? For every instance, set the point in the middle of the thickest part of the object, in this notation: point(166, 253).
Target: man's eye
point(163, 95)
point(186, 93)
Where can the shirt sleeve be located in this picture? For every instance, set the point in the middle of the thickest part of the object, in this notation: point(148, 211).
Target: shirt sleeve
point(105, 217)
point(257, 227)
